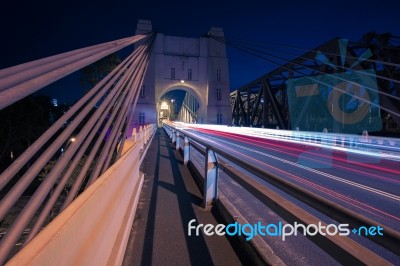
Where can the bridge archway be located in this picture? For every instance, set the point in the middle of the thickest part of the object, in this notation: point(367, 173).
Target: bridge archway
point(187, 103)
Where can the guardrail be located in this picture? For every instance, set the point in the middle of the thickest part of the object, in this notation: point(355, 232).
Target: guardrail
point(342, 248)
point(94, 229)
point(383, 147)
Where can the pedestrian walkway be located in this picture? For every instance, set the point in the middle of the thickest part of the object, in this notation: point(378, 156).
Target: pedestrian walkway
point(169, 199)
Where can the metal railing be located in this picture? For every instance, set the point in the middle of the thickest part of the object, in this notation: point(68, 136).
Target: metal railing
point(342, 248)
point(383, 147)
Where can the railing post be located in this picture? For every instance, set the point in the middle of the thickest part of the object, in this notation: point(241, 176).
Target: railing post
point(178, 141)
point(173, 135)
point(186, 151)
point(324, 139)
point(134, 135)
point(211, 179)
point(146, 133)
point(150, 132)
point(141, 141)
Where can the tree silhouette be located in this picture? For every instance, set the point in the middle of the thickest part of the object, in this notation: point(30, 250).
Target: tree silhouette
point(92, 74)
point(21, 124)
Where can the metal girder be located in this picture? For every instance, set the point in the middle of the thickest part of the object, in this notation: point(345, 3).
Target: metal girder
point(383, 50)
point(276, 107)
point(255, 109)
point(258, 106)
point(273, 113)
point(240, 103)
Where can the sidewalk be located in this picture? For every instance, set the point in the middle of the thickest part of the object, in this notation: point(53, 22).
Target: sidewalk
point(168, 201)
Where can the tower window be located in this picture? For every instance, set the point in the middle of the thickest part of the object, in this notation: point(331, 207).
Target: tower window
point(189, 74)
point(219, 119)
point(218, 94)
point(172, 73)
point(218, 74)
point(142, 118)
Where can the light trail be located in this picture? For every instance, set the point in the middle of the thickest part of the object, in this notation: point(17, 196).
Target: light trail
point(379, 192)
point(360, 205)
point(283, 149)
point(389, 149)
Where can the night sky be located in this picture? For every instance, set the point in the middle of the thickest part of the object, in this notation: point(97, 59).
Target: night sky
point(35, 29)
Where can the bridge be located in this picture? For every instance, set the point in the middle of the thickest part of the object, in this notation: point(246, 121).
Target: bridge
point(284, 170)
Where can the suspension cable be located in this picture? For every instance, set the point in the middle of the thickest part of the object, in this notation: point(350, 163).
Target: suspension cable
point(249, 50)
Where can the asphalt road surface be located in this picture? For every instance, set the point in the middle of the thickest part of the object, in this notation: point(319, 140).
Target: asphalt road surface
point(367, 185)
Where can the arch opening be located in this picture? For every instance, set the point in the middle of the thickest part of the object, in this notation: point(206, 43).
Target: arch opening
point(178, 104)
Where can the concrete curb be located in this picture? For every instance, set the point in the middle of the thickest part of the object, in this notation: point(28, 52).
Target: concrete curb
point(257, 250)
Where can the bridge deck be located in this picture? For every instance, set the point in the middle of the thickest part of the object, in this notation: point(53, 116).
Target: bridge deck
point(170, 198)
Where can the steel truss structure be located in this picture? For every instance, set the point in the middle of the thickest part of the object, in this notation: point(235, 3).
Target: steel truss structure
point(189, 109)
point(264, 101)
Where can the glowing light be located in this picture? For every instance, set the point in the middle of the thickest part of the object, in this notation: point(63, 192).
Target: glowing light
point(164, 106)
point(182, 81)
point(308, 183)
point(354, 144)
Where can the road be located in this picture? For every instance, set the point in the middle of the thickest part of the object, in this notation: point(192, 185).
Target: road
point(367, 185)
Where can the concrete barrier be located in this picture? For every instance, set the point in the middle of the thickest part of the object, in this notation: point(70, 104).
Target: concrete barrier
point(94, 229)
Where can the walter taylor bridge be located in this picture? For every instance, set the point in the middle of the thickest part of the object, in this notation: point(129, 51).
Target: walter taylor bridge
point(297, 149)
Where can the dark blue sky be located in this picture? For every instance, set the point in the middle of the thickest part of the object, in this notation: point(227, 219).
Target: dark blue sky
point(36, 29)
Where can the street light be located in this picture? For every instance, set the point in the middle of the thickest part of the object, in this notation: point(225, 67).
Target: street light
point(66, 146)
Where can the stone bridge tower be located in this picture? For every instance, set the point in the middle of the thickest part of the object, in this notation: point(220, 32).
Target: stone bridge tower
point(196, 65)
